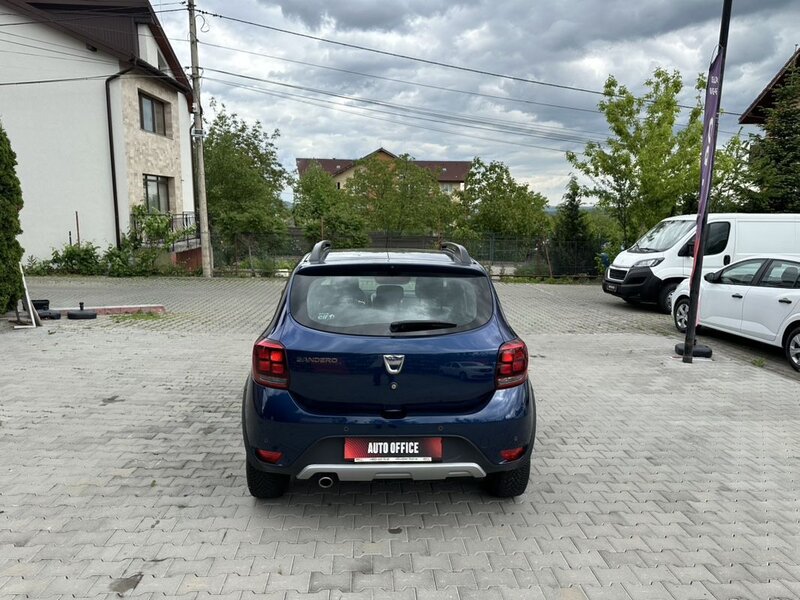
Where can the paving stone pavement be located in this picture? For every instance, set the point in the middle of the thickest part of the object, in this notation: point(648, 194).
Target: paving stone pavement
point(122, 468)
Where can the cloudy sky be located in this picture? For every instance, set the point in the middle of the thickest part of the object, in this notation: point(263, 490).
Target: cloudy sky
point(336, 101)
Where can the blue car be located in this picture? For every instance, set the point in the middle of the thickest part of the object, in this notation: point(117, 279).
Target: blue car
point(354, 378)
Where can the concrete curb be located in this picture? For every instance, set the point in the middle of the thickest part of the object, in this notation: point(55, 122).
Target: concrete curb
point(119, 310)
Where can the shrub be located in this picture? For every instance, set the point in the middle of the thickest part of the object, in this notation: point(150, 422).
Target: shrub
point(78, 259)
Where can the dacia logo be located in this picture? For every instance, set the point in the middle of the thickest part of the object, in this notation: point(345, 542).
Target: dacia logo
point(393, 363)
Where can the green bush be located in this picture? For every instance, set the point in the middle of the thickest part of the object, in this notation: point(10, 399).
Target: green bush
point(38, 267)
point(132, 259)
point(76, 259)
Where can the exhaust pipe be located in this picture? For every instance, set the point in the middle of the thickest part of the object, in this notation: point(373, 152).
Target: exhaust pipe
point(325, 481)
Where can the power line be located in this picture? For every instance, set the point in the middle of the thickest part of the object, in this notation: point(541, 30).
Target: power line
point(414, 58)
point(418, 84)
point(496, 124)
point(403, 56)
point(60, 80)
point(339, 108)
point(88, 15)
point(62, 55)
point(69, 79)
point(395, 80)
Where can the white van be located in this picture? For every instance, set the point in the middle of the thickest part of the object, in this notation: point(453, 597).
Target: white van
point(651, 269)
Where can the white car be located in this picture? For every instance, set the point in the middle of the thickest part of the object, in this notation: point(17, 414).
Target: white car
point(756, 298)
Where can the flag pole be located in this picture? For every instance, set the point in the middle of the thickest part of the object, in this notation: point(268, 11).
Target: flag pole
point(710, 120)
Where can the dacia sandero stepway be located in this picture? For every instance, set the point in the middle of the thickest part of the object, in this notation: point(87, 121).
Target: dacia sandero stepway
point(388, 365)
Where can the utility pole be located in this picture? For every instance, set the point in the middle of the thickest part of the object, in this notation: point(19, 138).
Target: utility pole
point(197, 138)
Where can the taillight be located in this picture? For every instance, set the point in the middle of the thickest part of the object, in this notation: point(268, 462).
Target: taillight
point(269, 364)
point(512, 454)
point(512, 365)
point(270, 456)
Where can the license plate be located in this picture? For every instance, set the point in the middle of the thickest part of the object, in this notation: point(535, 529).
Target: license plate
point(611, 287)
point(393, 450)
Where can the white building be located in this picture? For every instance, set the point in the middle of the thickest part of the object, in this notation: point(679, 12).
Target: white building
point(97, 108)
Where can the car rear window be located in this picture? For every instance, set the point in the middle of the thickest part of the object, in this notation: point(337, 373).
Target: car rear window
point(394, 304)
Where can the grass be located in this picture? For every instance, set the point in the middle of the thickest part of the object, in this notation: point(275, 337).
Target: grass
point(139, 316)
point(759, 362)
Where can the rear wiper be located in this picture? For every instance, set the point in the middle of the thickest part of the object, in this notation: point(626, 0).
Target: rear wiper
point(400, 326)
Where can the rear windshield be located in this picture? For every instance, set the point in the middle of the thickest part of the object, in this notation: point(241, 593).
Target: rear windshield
point(391, 305)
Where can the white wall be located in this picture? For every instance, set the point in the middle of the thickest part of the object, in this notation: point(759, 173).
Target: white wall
point(59, 133)
point(148, 48)
point(186, 124)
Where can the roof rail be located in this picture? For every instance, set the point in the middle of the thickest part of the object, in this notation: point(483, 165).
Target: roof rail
point(320, 251)
point(458, 251)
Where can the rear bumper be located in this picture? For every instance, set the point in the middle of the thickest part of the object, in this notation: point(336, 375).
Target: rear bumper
point(313, 444)
point(418, 472)
point(639, 284)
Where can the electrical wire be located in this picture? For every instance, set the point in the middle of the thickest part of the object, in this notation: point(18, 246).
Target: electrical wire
point(339, 108)
point(392, 79)
point(88, 15)
point(495, 124)
point(412, 58)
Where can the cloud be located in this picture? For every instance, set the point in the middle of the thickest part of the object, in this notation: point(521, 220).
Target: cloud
point(578, 44)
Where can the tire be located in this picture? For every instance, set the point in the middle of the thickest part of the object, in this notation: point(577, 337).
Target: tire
point(81, 314)
point(462, 376)
point(508, 484)
point(40, 305)
point(680, 315)
point(265, 485)
point(665, 295)
point(792, 348)
point(49, 314)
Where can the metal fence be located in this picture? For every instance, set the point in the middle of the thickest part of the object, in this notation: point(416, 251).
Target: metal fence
point(264, 255)
point(181, 230)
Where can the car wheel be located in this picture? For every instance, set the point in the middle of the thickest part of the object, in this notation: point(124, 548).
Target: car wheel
point(665, 297)
point(508, 484)
point(265, 485)
point(792, 348)
point(462, 376)
point(681, 314)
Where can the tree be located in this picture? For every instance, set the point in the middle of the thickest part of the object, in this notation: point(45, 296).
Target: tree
point(573, 248)
point(647, 163)
point(570, 223)
point(11, 288)
point(244, 180)
point(323, 211)
point(397, 196)
point(493, 202)
point(775, 158)
point(733, 178)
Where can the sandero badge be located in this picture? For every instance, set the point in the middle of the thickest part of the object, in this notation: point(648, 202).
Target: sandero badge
point(388, 365)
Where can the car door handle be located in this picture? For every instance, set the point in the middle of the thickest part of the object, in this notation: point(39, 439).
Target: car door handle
point(737, 296)
point(785, 301)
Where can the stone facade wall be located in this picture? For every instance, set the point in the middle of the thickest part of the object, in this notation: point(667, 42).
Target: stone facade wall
point(152, 153)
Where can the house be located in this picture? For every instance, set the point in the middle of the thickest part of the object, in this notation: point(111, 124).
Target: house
point(97, 108)
point(755, 113)
point(451, 174)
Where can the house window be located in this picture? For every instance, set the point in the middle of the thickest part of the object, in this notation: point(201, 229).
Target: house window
point(156, 193)
point(151, 112)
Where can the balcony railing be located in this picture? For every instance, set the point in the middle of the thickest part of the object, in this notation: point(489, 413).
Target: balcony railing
point(181, 230)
